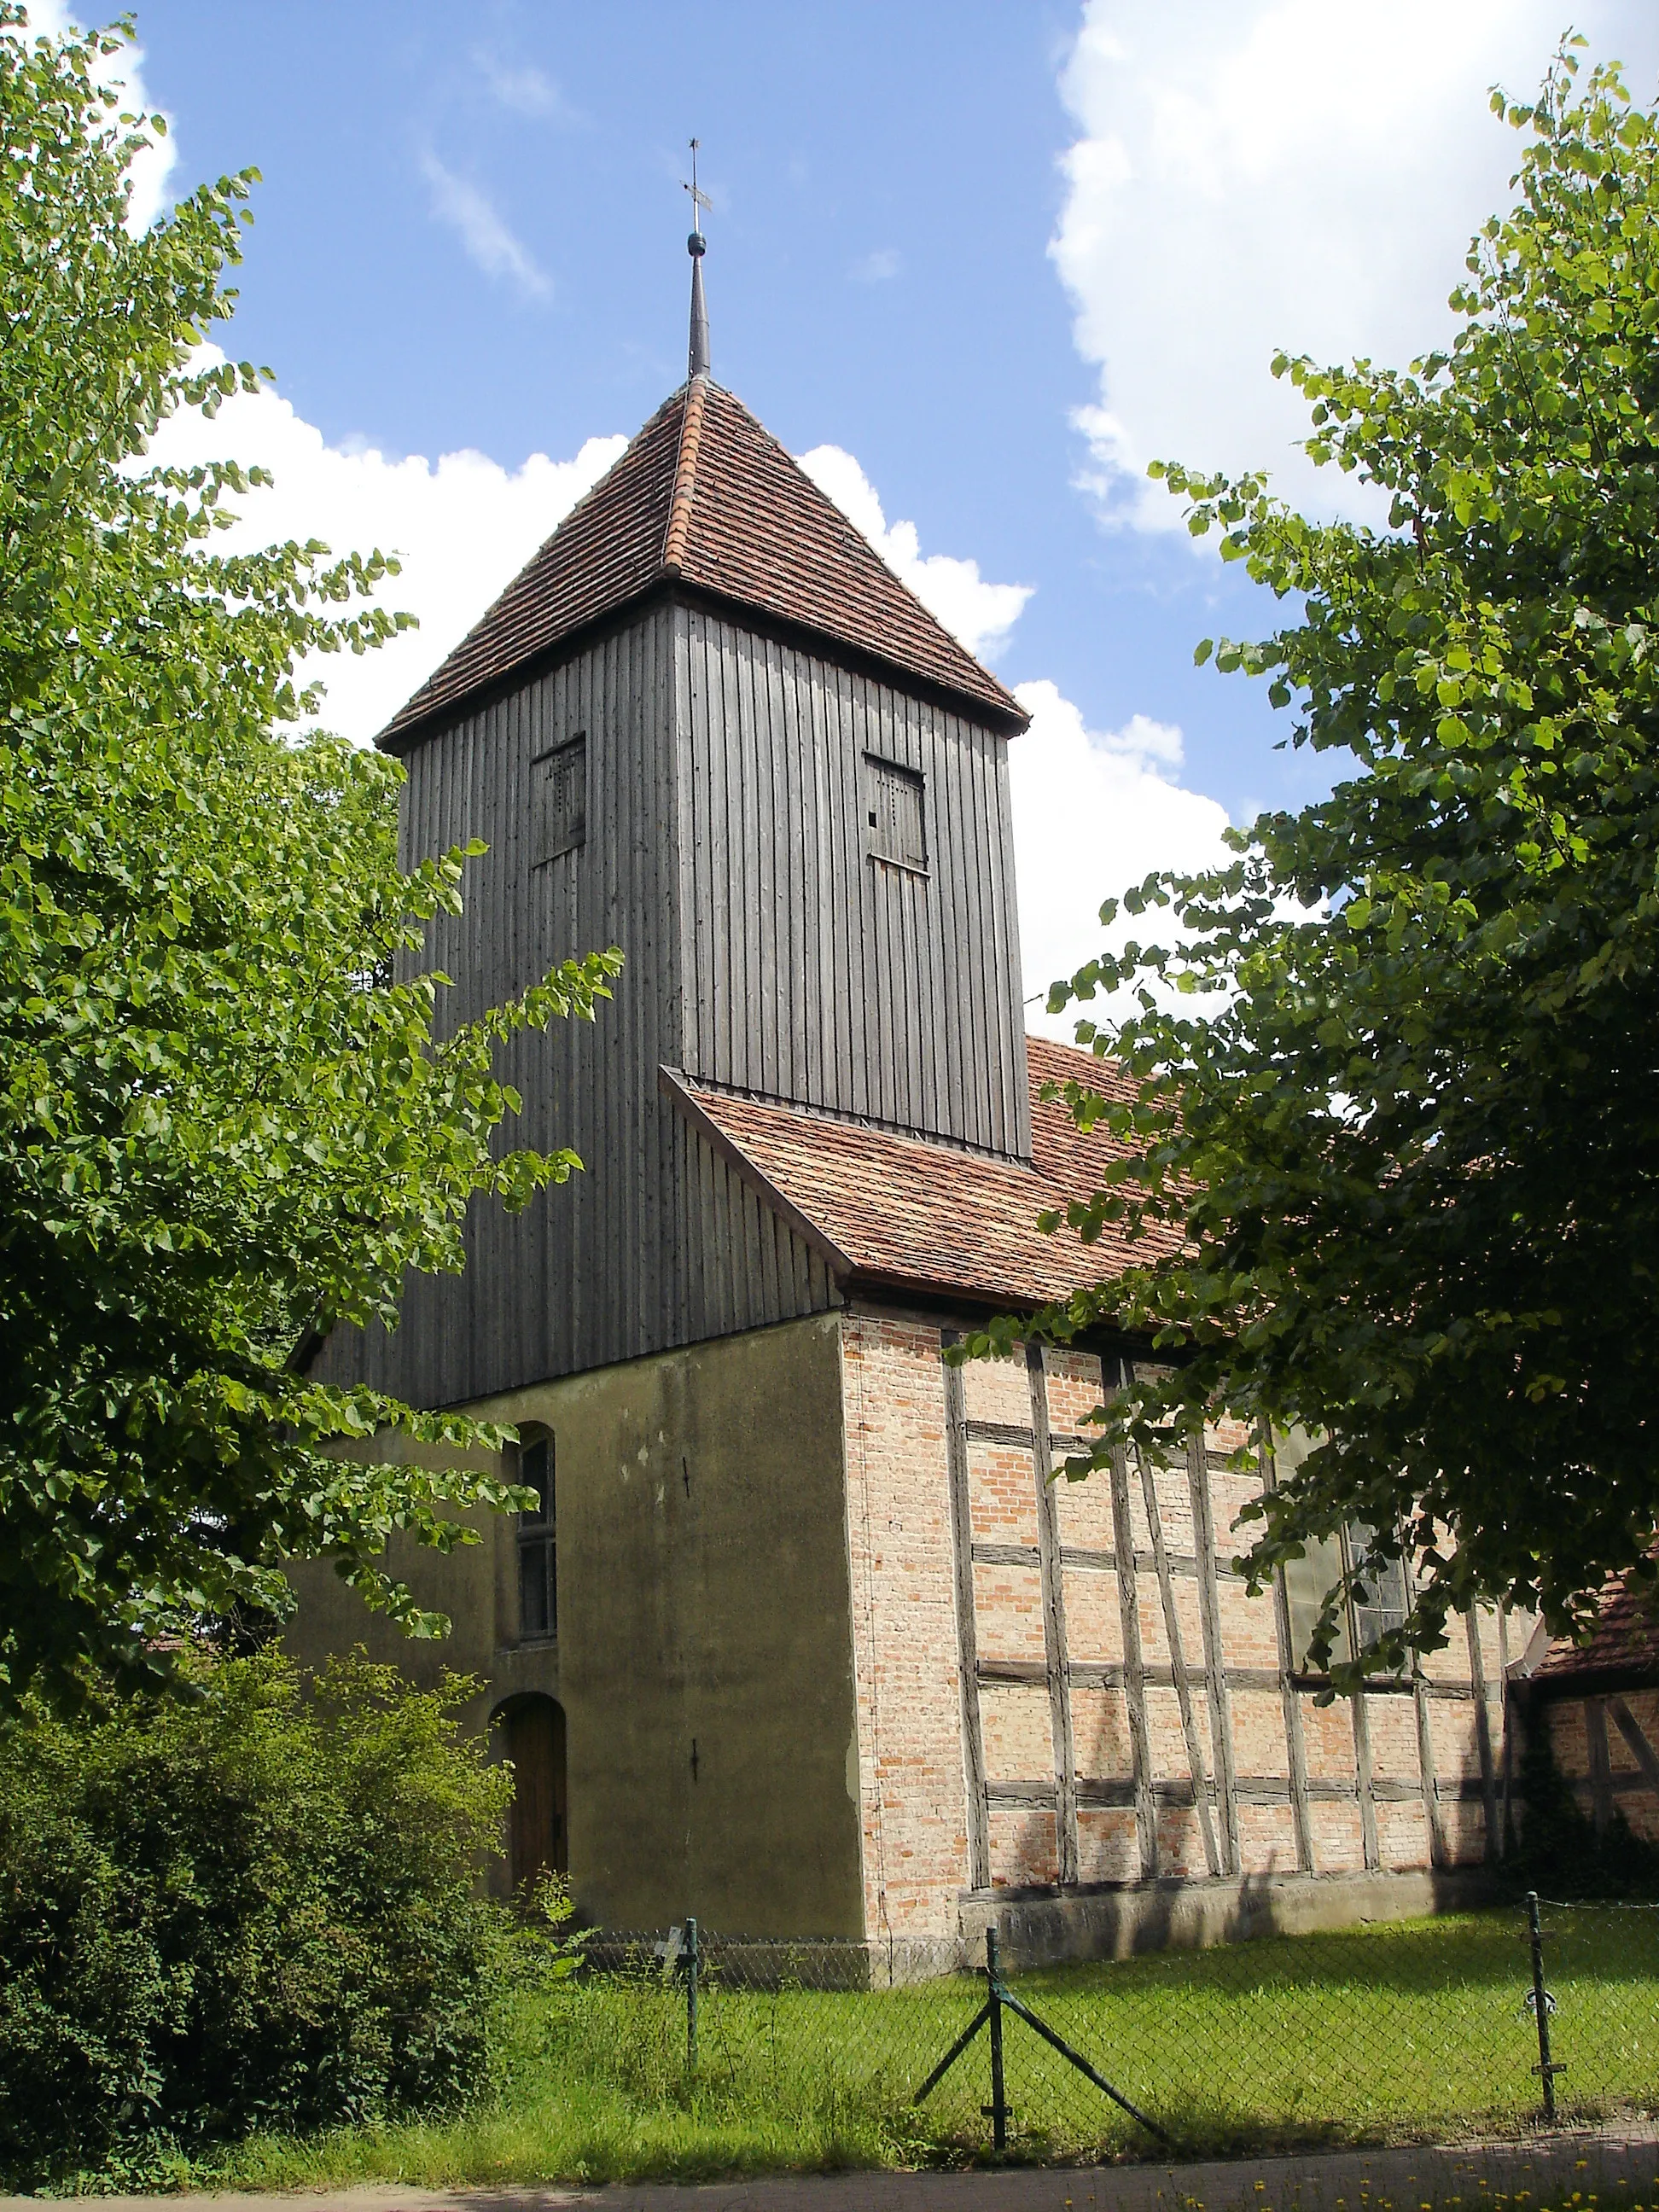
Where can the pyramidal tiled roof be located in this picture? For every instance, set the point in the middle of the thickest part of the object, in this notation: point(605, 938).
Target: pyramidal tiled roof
point(705, 497)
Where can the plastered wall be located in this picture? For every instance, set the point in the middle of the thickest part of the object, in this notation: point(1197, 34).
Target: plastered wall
point(703, 1656)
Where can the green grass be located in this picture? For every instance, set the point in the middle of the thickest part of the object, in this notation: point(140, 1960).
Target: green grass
point(1404, 2033)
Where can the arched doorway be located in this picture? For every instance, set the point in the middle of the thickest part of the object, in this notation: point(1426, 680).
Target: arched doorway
point(532, 1729)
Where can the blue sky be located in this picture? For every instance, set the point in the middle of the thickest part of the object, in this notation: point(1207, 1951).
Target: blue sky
point(998, 252)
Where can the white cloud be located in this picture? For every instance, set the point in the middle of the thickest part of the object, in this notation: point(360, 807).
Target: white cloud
point(488, 242)
point(152, 172)
point(1258, 173)
point(1093, 814)
point(878, 267)
point(526, 89)
point(463, 528)
point(979, 614)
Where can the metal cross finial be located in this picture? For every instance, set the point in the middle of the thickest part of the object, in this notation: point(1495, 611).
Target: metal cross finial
point(699, 200)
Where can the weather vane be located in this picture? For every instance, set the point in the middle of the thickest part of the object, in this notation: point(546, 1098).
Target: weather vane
point(699, 200)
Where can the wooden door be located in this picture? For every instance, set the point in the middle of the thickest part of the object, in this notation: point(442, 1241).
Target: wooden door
point(535, 1744)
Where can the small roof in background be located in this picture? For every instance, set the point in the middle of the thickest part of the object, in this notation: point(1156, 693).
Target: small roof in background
point(902, 1212)
point(705, 497)
point(1622, 1653)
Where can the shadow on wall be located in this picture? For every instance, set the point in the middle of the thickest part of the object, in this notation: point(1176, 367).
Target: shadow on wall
point(1175, 1915)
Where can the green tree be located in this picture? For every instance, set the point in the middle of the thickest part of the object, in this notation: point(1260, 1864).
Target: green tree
point(1394, 1073)
point(224, 1118)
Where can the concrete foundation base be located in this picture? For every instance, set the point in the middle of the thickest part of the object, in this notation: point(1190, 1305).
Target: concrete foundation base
point(1047, 1928)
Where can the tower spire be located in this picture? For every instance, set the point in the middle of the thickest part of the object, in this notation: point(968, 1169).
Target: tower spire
point(698, 352)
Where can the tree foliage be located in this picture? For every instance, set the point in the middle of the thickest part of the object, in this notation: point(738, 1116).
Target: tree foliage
point(253, 1908)
point(224, 1116)
point(1397, 1065)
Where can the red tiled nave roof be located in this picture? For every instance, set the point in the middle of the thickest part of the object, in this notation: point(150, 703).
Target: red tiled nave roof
point(900, 1211)
point(1623, 1650)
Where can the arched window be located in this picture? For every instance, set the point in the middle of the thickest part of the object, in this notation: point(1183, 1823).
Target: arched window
point(533, 1730)
point(538, 1609)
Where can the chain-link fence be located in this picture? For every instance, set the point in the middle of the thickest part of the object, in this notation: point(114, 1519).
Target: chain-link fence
point(1408, 2030)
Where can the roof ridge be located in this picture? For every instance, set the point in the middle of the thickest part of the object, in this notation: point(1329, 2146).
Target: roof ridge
point(685, 476)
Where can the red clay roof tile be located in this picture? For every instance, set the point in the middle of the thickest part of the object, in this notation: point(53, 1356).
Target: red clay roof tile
point(903, 1212)
point(705, 497)
point(1623, 1648)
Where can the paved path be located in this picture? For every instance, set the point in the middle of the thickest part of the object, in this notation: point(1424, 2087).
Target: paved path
point(1613, 2170)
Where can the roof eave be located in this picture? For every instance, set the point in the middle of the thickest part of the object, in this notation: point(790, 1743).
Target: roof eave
point(1600, 1681)
point(400, 737)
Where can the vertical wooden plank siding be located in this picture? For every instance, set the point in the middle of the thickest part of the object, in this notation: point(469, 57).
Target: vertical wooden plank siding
point(962, 1553)
point(854, 985)
point(765, 950)
point(1209, 1603)
point(1054, 1620)
point(651, 1245)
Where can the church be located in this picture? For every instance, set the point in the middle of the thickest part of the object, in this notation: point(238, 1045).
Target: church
point(801, 1637)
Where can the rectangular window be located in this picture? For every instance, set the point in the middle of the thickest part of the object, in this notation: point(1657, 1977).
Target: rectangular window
point(1362, 1622)
point(559, 785)
point(537, 1580)
point(894, 826)
point(1382, 1605)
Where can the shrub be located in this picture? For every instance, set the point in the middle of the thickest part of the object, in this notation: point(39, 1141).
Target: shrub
point(256, 1906)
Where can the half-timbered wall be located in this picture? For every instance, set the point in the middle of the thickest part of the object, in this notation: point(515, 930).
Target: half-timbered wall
point(1604, 1748)
point(1067, 1684)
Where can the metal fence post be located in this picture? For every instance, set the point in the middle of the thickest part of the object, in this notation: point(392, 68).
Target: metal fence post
point(1541, 2004)
point(998, 2105)
point(691, 1994)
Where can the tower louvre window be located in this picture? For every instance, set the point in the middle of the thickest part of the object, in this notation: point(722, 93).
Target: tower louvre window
point(539, 1614)
point(560, 788)
point(895, 824)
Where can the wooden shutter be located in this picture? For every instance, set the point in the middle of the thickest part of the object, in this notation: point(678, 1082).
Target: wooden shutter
point(561, 800)
point(894, 825)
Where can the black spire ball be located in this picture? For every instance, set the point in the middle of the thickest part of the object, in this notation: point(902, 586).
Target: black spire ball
point(696, 244)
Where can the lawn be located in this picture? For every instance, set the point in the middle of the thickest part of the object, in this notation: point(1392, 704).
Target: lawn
point(1406, 2031)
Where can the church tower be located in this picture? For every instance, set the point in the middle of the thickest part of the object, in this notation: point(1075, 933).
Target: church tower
point(707, 724)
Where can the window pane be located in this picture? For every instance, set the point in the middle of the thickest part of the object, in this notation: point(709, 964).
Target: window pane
point(1308, 1580)
point(535, 1473)
point(1382, 1605)
point(533, 1590)
point(535, 1612)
